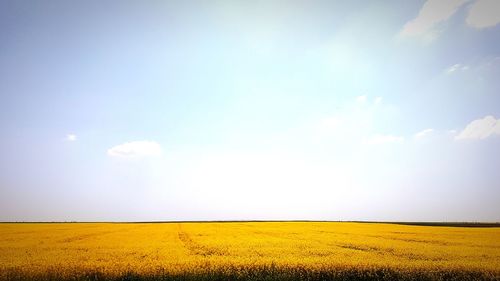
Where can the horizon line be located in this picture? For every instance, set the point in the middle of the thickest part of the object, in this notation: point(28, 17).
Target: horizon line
point(415, 223)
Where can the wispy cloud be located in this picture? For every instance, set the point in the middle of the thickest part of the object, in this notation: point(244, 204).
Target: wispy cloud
point(481, 14)
point(484, 13)
point(480, 129)
point(432, 13)
point(457, 67)
point(423, 133)
point(136, 149)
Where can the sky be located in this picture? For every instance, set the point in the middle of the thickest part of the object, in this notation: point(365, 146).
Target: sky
point(250, 110)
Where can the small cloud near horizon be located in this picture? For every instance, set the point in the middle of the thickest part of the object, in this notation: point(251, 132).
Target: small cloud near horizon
point(135, 149)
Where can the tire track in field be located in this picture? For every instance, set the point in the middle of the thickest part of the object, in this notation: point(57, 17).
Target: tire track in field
point(198, 249)
point(386, 251)
point(86, 236)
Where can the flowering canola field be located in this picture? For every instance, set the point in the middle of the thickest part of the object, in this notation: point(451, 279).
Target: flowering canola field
point(247, 251)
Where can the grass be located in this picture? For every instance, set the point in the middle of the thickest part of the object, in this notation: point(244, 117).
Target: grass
point(247, 251)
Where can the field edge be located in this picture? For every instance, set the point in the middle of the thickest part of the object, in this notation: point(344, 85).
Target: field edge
point(261, 273)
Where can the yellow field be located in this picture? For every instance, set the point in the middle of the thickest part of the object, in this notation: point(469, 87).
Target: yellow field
point(246, 251)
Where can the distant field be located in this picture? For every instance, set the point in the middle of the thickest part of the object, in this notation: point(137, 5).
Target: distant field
point(247, 251)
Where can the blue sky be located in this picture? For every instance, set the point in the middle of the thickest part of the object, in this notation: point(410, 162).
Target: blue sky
point(213, 110)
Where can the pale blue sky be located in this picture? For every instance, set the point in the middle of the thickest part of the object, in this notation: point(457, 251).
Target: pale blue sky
point(214, 110)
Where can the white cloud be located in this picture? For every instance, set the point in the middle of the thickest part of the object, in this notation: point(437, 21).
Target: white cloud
point(361, 99)
point(71, 137)
point(480, 129)
point(484, 13)
point(457, 67)
point(431, 14)
point(378, 100)
point(136, 149)
point(383, 139)
point(423, 133)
